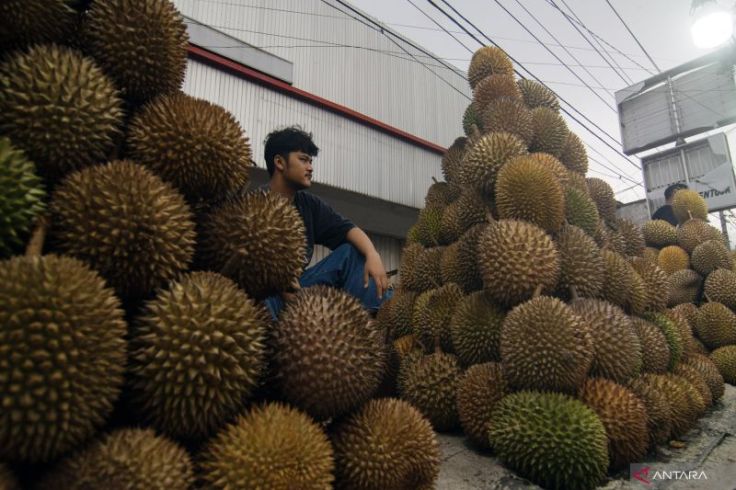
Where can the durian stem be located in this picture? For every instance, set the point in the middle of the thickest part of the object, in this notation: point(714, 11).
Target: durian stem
point(35, 244)
point(690, 214)
point(434, 180)
point(538, 291)
point(574, 293)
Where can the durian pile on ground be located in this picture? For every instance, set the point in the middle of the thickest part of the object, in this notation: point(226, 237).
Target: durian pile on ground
point(134, 350)
point(535, 320)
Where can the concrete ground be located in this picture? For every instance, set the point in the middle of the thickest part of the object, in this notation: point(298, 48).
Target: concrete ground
point(709, 448)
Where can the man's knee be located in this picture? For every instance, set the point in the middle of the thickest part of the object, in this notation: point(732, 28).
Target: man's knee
point(348, 251)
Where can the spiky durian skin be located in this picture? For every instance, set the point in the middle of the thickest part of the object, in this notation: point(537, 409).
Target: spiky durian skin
point(573, 154)
point(62, 355)
point(632, 236)
point(440, 195)
point(687, 204)
point(452, 160)
point(684, 287)
point(673, 258)
point(396, 313)
point(21, 197)
point(433, 311)
point(196, 354)
point(428, 226)
point(429, 383)
point(386, 445)
point(659, 412)
point(486, 61)
point(720, 286)
point(617, 349)
point(618, 281)
point(197, 146)
point(650, 254)
point(656, 281)
point(476, 329)
point(526, 190)
point(493, 87)
point(709, 370)
point(616, 240)
point(581, 263)
point(134, 459)
point(78, 106)
point(725, 359)
point(604, 198)
point(688, 311)
point(683, 412)
point(128, 224)
point(550, 131)
point(623, 415)
point(659, 233)
point(581, 211)
point(271, 446)
point(483, 161)
point(258, 239)
point(471, 121)
point(545, 346)
point(479, 388)
point(696, 379)
point(113, 33)
point(686, 332)
point(421, 268)
point(715, 325)
point(506, 251)
point(709, 256)
point(537, 95)
point(459, 261)
point(694, 232)
point(551, 439)
point(7, 479)
point(36, 21)
point(671, 333)
point(553, 165)
point(654, 348)
point(509, 115)
point(328, 357)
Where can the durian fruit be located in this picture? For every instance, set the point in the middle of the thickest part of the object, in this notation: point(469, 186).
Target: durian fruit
point(395, 313)
point(428, 226)
point(578, 181)
point(676, 391)
point(619, 278)
point(536, 95)
point(650, 254)
point(580, 210)
point(672, 259)
point(526, 190)
point(688, 204)
point(688, 311)
point(36, 21)
point(553, 165)
point(433, 311)
point(509, 115)
point(659, 233)
point(479, 389)
point(59, 108)
point(573, 155)
point(7, 479)
point(550, 131)
point(440, 195)
point(515, 258)
point(113, 33)
point(671, 333)
point(197, 352)
point(715, 325)
point(659, 412)
point(134, 459)
point(604, 198)
point(493, 87)
point(545, 346)
point(271, 446)
point(632, 236)
point(429, 383)
point(63, 355)
point(616, 240)
point(581, 263)
point(654, 349)
point(476, 329)
point(471, 121)
point(482, 162)
point(128, 224)
point(710, 373)
point(601, 234)
point(387, 444)
point(458, 262)
point(638, 302)
point(328, 359)
point(452, 160)
point(617, 351)
point(486, 61)
point(682, 325)
point(195, 145)
point(725, 359)
point(427, 273)
point(552, 439)
point(21, 197)
point(720, 286)
point(468, 210)
point(694, 232)
point(696, 379)
point(684, 287)
point(246, 238)
point(709, 256)
point(656, 281)
point(623, 415)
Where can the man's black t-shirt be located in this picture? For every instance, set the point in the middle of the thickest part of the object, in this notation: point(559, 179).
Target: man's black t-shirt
point(666, 213)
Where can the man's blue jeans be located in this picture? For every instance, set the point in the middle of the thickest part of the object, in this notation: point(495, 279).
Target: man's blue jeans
point(342, 269)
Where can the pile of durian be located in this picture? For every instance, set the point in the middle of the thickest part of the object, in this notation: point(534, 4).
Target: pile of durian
point(533, 318)
point(135, 352)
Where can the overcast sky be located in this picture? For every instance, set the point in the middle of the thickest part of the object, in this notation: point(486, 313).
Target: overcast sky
point(661, 26)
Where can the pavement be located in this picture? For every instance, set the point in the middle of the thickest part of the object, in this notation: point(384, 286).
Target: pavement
point(706, 462)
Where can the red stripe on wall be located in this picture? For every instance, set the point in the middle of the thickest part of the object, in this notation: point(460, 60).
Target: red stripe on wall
point(225, 64)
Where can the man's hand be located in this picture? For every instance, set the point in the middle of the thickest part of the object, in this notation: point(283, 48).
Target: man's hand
point(374, 268)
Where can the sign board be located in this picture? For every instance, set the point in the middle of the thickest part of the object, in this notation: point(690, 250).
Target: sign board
point(704, 165)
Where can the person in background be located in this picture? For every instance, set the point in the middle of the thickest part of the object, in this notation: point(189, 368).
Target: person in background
point(665, 212)
point(354, 264)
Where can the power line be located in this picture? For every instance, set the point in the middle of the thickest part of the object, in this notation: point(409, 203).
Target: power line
point(439, 25)
point(633, 35)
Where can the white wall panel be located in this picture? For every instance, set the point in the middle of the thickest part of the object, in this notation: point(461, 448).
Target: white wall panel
point(370, 79)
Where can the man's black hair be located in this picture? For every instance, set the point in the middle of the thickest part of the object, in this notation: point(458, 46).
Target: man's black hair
point(670, 191)
point(284, 141)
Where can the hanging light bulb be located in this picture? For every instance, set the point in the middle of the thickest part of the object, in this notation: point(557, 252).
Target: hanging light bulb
point(712, 25)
